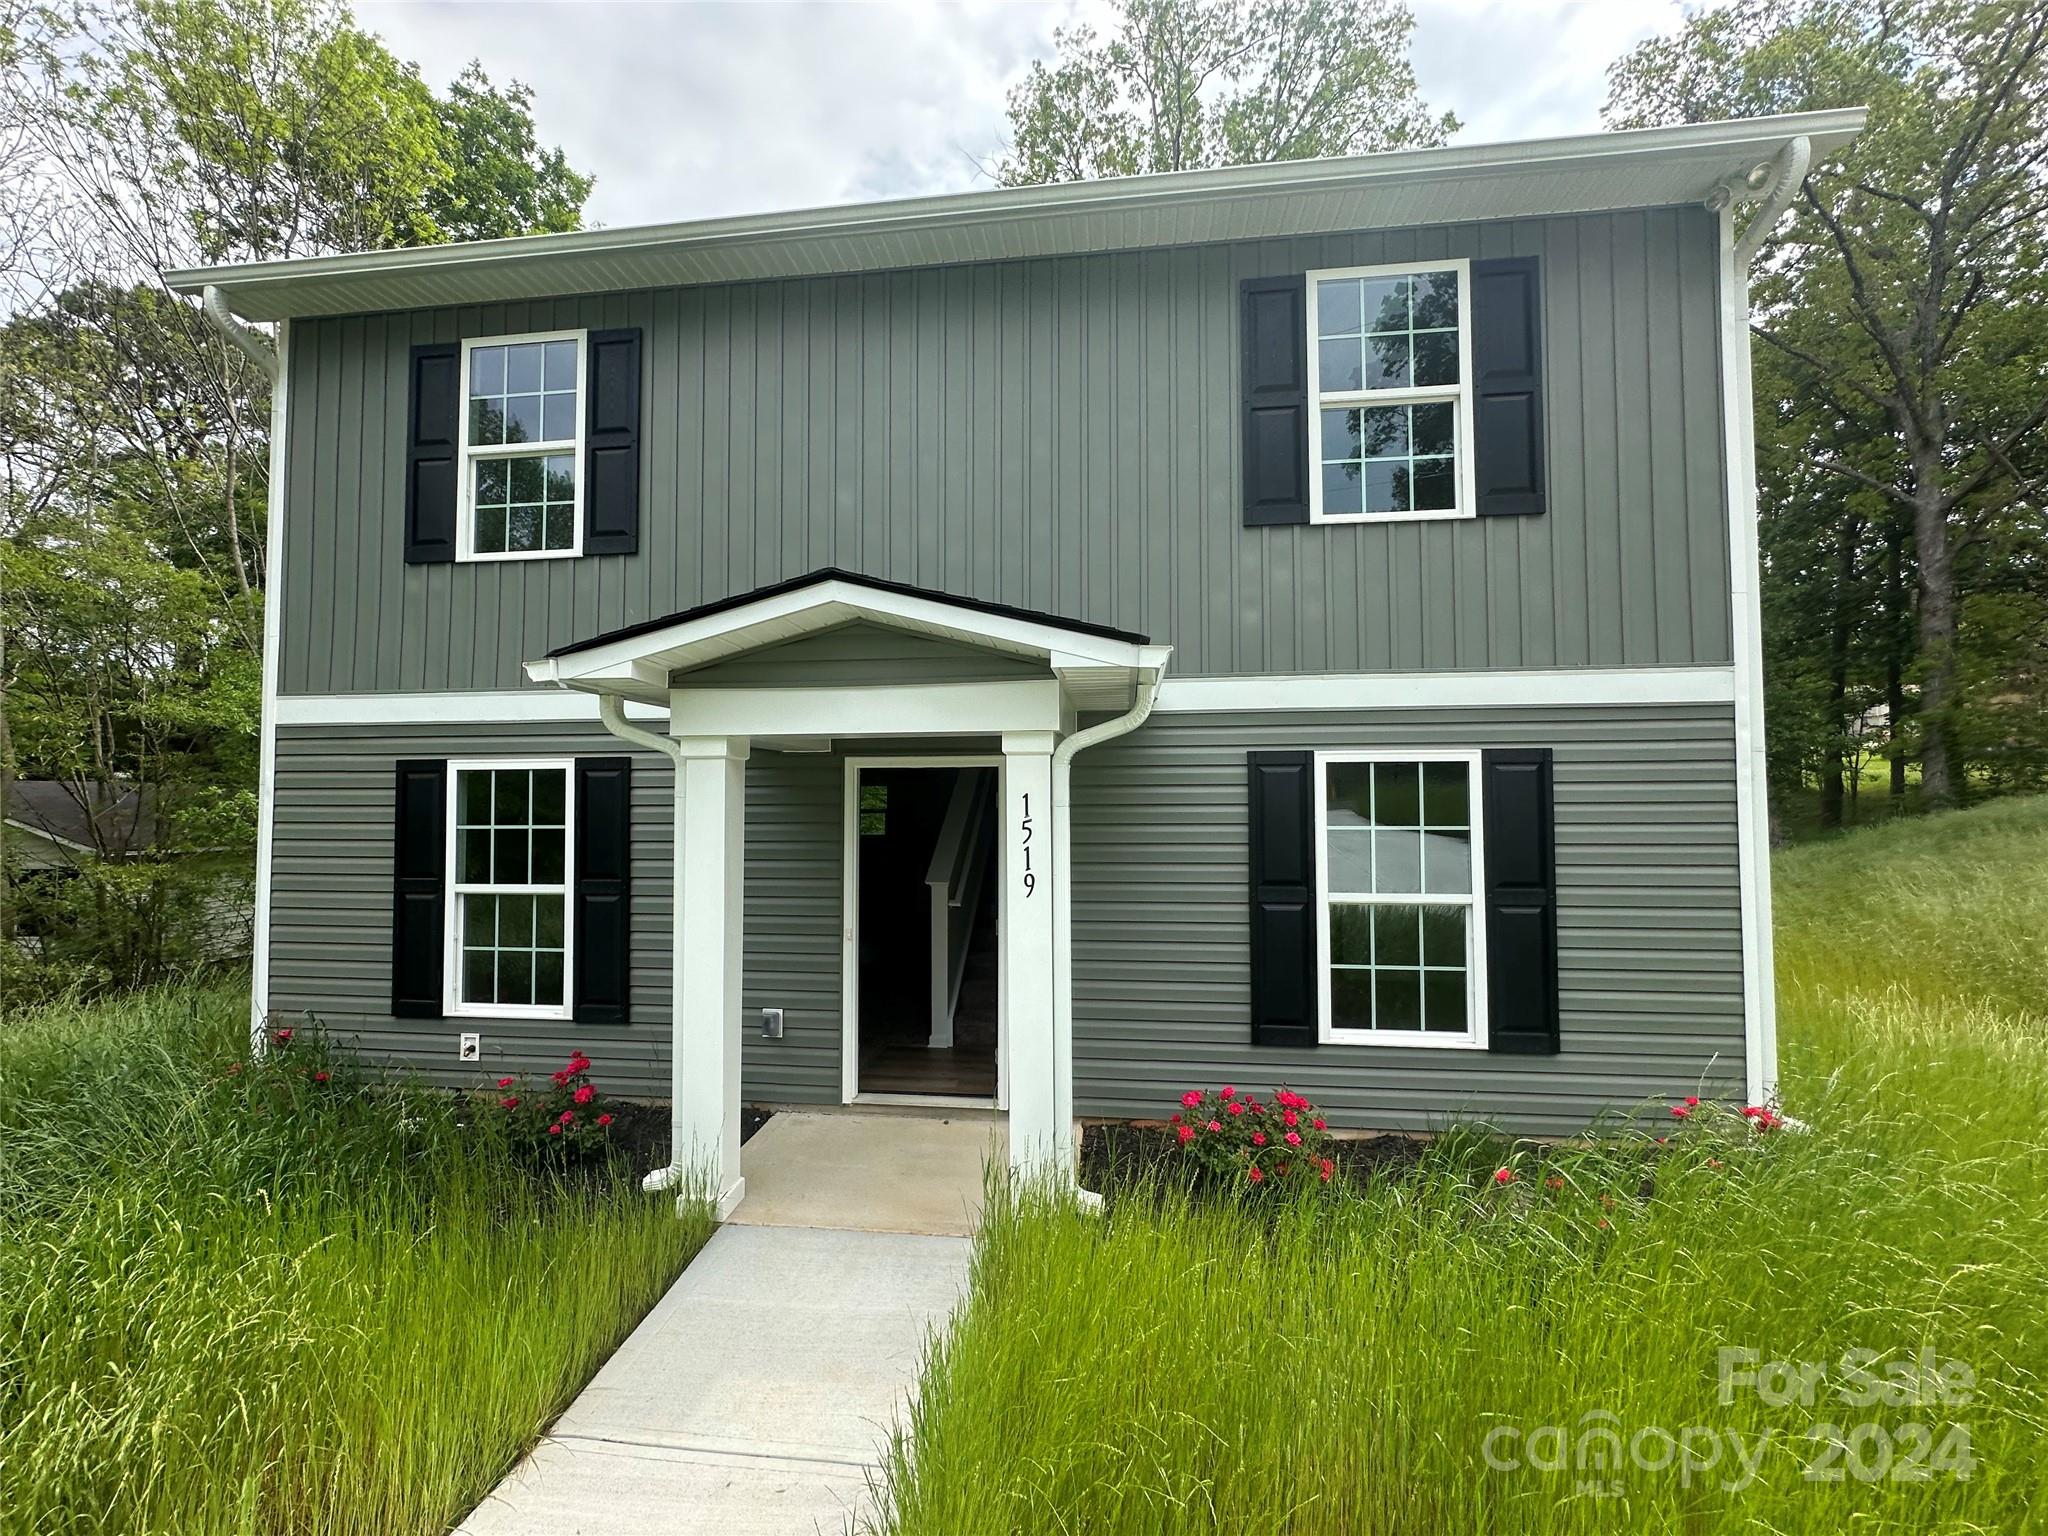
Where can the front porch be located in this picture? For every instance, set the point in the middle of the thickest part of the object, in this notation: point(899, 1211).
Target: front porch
point(841, 663)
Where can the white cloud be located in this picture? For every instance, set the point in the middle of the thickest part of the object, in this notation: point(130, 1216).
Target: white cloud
point(694, 110)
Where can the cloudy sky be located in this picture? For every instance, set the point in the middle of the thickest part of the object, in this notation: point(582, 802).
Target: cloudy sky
point(689, 110)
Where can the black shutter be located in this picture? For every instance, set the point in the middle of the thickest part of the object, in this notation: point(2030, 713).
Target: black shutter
point(1283, 898)
point(611, 446)
point(1507, 386)
point(419, 849)
point(1275, 381)
point(433, 414)
point(604, 876)
point(1521, 901)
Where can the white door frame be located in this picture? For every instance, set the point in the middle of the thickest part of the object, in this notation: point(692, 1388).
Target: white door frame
point(849, 949)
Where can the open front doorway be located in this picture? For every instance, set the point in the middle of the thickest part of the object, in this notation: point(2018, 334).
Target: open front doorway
point(923, 893)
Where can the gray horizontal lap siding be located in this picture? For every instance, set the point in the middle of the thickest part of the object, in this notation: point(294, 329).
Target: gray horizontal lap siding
point(1058, 434)
point(1649, 924)
point(330, 949)
point(1649, 929)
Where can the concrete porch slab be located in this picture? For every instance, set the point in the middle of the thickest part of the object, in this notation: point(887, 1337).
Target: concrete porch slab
point(862, 1172)
point(757, 1396)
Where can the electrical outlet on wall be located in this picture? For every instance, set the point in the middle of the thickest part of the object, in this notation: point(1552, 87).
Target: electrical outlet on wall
point(771, 1023)
point(472, 1048)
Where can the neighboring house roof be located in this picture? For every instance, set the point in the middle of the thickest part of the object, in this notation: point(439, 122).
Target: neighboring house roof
point(1587, 173)
point(852, 578)
point(125, 816)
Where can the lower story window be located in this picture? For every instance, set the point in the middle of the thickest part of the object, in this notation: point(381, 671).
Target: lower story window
point(1399, 864)
point(509, 854)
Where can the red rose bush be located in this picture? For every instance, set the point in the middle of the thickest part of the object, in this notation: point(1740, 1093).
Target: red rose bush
point(1237, 1139)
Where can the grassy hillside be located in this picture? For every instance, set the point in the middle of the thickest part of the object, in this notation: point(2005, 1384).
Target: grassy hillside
point(1345, 1363)
point(236, 1297)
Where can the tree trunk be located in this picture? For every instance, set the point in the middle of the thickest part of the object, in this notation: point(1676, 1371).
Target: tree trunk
point(1840, 753)
point(1896, 627)
point(1937, 634)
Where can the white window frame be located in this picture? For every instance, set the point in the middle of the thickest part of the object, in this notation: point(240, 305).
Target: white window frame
point(467, 453)
point(1460, 396)
point(1475, 1036)
point(451, 942)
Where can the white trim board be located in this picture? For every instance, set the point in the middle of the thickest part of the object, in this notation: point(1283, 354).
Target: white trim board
point(1451, 690)
point(508, 706)
point(1184, 695)
point(271, 706)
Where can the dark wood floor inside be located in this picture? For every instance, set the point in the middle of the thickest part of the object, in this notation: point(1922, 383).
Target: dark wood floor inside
point(894, 1067)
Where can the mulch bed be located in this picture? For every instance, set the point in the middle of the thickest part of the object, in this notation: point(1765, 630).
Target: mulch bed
point(640, 1132)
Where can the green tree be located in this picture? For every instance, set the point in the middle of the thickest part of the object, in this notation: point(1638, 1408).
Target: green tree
point(1905, 307)
point(1188, 83)
point(500, 181)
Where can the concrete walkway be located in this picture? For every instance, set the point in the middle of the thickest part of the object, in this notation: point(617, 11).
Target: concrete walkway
point(759, 1394)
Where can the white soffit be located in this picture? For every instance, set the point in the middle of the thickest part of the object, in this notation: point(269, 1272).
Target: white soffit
point(1642, 168)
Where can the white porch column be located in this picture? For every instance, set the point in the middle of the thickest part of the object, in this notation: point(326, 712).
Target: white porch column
point(1041, 1102)
point(711, 796)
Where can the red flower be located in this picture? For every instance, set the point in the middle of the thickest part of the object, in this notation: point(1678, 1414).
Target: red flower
point(1229, 1092)
point(1190, 1099)
point(1215, 1125)
point(585, 1094)
point(504, 1082)
point(1288, 1117)
point(1187, 1134)
point(1504, 1176)
point(561, 1077)
point(1713, 1162)
point(1603, 1221)
point(1257, 1176)
point(1679, 1112)
point(1258, 1138)
point(1692, 1101)
point(603, 1121)
point(1319, 1123)
point(1328, 1169)
point(1237, 1109)
point(282, 1037)
point(1750, 1112)
point(509, 1103)
point(554, 1130)
point(1292, 1138)
point(568, 1115)
point(1553, 1182)
point(319, 1077)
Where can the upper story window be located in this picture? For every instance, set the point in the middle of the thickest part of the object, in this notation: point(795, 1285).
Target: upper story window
point(1389, 377)
point(1398, 869)
point(521, 493)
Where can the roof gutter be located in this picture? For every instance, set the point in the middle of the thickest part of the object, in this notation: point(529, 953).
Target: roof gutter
point(253, 344)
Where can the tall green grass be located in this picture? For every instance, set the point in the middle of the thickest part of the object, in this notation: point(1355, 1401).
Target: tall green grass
point(233, 1299)
point(1336, 1364)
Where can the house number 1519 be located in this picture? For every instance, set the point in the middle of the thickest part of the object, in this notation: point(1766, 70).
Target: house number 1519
point(1024, 842)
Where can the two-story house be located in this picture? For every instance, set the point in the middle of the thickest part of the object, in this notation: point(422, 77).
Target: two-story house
point(1042, 648)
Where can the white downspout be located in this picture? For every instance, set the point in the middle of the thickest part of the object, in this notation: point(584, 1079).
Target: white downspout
point(1063, 895)
point(214, 305)
point(1792, 162)
point(611, 711)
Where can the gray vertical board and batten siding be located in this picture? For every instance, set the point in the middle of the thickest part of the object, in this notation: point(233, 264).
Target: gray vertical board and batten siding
point(1059, 434)
point(1650, 942)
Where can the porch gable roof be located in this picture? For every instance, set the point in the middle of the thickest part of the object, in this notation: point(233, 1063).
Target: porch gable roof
point(1098, 664)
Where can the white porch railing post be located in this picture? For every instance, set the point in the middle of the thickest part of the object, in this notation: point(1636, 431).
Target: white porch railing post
point(1041, 1134)
point(710, 833)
